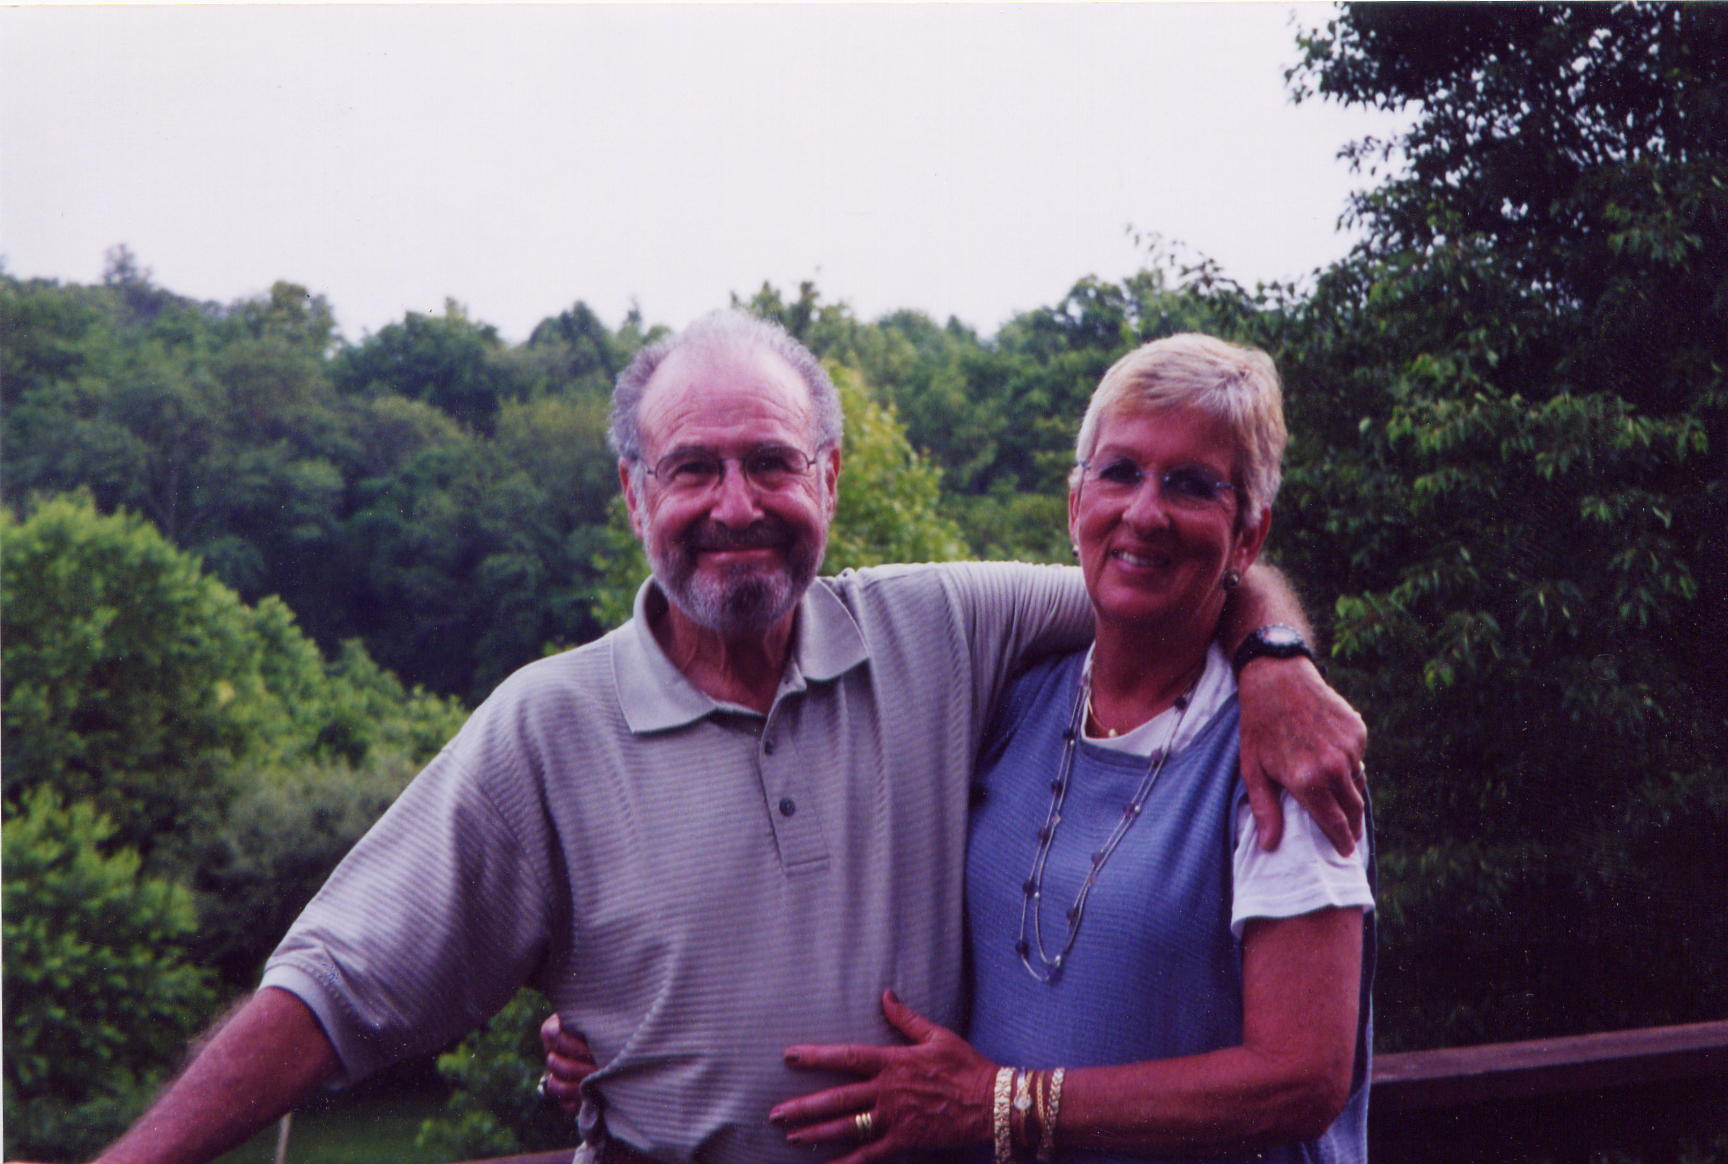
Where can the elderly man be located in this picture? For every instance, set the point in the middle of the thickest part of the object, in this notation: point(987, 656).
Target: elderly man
point(724, 827)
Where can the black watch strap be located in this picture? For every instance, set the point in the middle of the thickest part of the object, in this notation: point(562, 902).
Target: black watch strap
point(1276, 641)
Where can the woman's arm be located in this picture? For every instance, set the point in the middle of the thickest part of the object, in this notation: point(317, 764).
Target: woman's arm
point(1288, 1080)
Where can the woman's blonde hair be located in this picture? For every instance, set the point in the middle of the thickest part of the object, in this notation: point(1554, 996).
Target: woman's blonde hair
point(1238, 385)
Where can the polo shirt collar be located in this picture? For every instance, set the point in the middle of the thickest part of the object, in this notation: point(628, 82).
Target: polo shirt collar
point(655, 696)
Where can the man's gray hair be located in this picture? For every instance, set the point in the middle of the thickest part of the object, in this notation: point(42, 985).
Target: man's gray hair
point(728, 329)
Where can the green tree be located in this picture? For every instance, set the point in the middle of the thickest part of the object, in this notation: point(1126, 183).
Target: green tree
point(493, 1108)
point(134, 681)
point(449, 361)
point(108, 403)
point(48, 334)
point(99, 998)
point(471, 544)
point(619, 569)
point(359, 738)
point(476, 552)
point(290, 314)
point(221, 427)
point(1523, 370)
point(213, 736)
point(891, 495)
point(576, 353)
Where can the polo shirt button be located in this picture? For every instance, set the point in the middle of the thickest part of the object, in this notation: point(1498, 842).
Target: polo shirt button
point(768, 747)
point(787, 806)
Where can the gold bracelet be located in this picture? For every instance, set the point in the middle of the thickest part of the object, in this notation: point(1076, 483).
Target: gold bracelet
point(999, 1115)
point(1035, 1117)
point(1048, 1111)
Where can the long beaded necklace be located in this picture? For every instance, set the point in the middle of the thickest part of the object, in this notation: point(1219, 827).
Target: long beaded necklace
point(1049, 968)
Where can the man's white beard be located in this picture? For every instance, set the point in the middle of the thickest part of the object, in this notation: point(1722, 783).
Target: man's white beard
point(741, 599)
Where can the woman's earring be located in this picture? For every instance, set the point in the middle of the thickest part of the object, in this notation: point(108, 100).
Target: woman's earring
point(1232, 579)
point(1074, 548)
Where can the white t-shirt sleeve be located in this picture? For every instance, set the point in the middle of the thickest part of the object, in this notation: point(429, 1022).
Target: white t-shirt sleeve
point(1303, 874)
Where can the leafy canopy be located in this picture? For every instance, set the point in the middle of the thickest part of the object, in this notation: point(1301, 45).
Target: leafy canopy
point(1521, 506)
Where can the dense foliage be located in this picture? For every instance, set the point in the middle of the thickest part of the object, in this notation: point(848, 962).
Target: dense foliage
point(1520, 379)
point(182, 772)
point(1505, 497)
point(100, 996)
point(494, 1109)
point(332, 475)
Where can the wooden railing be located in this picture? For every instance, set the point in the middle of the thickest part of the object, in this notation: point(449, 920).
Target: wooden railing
point(1645, 1092)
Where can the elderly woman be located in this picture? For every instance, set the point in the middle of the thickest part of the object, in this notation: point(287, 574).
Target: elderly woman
point(1147, 981)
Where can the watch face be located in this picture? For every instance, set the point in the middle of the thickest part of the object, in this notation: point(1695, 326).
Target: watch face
point(1280, 636)
point(1275, 641)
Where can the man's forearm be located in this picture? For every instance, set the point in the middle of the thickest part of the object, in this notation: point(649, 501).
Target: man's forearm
point(264, 1060)
point(1296, 731)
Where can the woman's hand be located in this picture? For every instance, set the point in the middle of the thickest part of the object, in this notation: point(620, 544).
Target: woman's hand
point(568, 1063)
point(935, 1093)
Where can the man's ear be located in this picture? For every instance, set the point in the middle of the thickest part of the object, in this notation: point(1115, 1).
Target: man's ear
point(630, 498)
point(831, 460)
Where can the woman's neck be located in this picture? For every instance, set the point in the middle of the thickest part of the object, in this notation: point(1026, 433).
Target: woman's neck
point(1138, 676)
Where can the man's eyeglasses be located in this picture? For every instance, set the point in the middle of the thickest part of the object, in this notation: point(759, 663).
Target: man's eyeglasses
point(1190, 487)
point(769, 468)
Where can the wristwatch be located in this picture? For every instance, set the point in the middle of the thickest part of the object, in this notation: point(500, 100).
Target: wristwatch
point(1276, 641)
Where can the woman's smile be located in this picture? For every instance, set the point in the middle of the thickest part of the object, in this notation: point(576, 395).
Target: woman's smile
point(1142, 559)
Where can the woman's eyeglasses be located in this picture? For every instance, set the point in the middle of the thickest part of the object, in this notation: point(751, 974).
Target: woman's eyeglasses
point(1189, 487)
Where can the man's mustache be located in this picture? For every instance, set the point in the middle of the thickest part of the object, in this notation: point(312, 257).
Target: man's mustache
point(711, 536)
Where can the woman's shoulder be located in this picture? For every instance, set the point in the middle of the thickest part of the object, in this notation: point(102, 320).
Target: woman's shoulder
point(1038, 687)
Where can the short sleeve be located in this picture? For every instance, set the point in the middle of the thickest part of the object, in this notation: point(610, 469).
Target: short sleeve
point(431, 922)
point(1012, 615)
point(1303, 874)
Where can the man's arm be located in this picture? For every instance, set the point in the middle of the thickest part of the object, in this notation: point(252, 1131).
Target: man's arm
point(1296, 730)
point(268, 1057)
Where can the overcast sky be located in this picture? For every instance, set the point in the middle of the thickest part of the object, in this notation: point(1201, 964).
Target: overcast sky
point(961, 159)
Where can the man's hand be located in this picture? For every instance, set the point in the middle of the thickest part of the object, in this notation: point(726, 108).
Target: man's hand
point(1299, 733)
point(568, 1063)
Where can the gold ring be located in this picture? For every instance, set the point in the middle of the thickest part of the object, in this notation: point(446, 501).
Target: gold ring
point(865, 1122)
